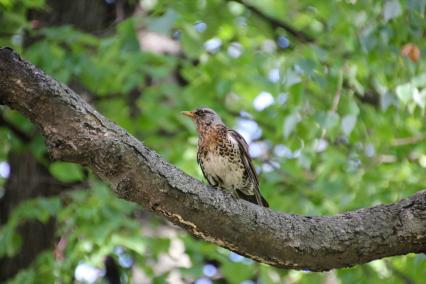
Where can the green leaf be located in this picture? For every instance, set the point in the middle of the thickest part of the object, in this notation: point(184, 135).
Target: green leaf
point(327, 120)
point(66, 172)
point(237, 272)
point(405, 92)
point(290, 123)
point(391, 10)
point(348, 123)
point(164, 23)
point(10, 241)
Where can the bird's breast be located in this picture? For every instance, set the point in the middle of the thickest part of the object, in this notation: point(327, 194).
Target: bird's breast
point(222, 162)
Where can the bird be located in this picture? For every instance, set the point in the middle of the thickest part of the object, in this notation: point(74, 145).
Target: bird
point(223, 156)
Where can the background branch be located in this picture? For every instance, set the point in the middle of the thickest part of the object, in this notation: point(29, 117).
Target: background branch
point(275, 23)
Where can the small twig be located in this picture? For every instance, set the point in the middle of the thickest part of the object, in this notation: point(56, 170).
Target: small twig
point(119, 11)
point(409, 140)
point(386, 159)
point(405, 278)
point(59, 251)
point(336, 100)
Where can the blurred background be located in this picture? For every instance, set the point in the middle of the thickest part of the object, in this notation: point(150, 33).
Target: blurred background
point(330, 95)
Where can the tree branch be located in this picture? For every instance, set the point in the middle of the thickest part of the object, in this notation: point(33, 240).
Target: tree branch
point(75, 132)
point(275, 23)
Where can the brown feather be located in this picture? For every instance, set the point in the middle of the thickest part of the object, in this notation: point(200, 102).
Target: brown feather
point(245, 157)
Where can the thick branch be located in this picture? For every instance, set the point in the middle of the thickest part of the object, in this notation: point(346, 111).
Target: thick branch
point(75, 132)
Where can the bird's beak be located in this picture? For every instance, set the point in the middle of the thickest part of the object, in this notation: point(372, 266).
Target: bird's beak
point(188, 113)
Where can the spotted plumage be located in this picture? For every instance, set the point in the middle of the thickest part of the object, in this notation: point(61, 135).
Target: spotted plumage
point(223, 157)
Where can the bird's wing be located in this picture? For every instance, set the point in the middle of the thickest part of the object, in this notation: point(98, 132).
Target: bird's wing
point(199, 158)
point(245, 157)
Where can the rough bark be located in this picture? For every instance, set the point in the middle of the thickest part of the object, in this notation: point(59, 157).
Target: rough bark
point(75, 132)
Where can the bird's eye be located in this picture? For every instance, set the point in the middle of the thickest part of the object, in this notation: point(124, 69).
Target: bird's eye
point(201, 112)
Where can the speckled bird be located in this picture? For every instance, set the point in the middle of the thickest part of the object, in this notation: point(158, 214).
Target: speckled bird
point(223, 157)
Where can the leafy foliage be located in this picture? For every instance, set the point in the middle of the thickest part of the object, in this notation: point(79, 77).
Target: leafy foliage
point(334, 125)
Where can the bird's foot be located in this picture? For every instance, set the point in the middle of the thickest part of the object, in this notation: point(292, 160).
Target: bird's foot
point(234, 194)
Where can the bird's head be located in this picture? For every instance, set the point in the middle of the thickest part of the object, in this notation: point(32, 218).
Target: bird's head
point(203, 117)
